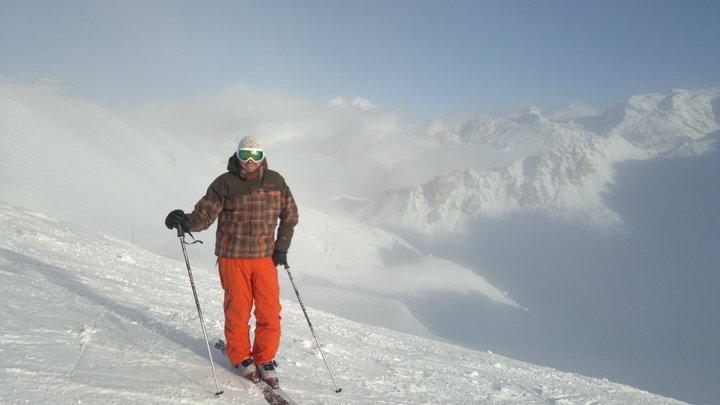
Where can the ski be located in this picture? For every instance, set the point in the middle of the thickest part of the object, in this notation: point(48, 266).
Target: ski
point(273, 396)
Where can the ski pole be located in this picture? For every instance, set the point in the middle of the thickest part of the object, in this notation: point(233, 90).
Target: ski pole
point(181, 235)
point(287, 268)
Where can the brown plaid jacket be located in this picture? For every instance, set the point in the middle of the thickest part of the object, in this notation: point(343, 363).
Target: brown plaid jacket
point(247, 211)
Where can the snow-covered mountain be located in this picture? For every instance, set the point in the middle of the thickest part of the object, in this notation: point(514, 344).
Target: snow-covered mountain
point(568, 181)
point(564, 166)
point(528, 132)
point(94, 320)
point(662, 122)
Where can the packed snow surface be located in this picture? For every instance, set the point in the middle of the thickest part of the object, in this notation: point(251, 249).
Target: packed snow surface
point(90, 319)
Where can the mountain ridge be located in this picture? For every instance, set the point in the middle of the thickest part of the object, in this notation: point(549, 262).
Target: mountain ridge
point(564, 167)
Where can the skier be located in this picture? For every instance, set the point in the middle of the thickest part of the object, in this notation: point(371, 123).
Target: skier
point(248, 200)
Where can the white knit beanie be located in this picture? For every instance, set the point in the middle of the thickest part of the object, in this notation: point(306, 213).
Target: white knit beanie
point(250, 142)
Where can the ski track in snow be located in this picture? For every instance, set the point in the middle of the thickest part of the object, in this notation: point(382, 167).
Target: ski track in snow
point(90, 319)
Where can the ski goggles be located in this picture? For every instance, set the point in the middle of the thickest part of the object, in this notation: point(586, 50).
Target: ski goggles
point(256, 155)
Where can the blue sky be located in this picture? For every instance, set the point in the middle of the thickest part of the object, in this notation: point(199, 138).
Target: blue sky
point(431, 58)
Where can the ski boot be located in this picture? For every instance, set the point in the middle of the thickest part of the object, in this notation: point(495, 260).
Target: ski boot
point(268, 373)
point(248, 370)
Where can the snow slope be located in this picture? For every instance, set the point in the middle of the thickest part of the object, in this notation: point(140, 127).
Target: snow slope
point(355, 256)
point(90, 319)
point(83, 163)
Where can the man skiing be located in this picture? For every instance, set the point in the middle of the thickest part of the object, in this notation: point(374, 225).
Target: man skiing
point(248, 200)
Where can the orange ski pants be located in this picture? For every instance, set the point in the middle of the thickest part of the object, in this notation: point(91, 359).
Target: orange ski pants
point(246, 281)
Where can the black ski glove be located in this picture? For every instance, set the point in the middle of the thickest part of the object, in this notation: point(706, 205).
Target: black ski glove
point(177, 218)
point(280, 257)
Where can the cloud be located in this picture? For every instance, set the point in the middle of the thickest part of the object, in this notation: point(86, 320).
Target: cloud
point(338, 147)
point(363, 104)
point(338, 102)
point(359, 103)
